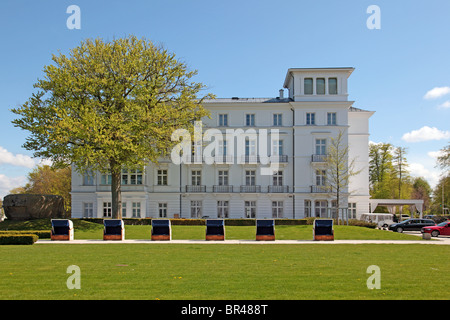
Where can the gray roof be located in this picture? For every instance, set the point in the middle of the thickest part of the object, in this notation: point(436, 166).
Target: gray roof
point(248, 100)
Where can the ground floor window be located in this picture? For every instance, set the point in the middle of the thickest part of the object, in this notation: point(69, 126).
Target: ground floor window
point(320, 208)
point(352, 210)
point(277, 209)
point(196, 209)
point(88, 210)
point(107, 209)
point(307, 208)
point(222, 209)
point(162, 210)
point(136, 213)
point(250, 209)
point(124, 209)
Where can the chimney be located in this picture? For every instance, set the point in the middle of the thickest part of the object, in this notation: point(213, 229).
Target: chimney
point(281, 94)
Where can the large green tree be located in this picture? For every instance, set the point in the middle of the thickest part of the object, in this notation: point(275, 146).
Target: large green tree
point(110, 105)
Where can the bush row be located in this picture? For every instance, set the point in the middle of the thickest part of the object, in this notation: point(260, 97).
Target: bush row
point(42, 234)
point(18, 238)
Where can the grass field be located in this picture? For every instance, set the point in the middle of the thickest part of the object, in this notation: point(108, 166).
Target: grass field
point(178, 271)
point(224, 271)
point(90, 230)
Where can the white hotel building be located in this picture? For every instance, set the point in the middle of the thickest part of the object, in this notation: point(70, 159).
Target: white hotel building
point(315, 110)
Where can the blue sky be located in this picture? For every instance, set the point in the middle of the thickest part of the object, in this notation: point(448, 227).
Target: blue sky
point(244, 48)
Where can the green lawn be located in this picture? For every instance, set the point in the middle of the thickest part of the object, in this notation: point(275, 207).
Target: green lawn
point(221, 271)
point(89, 230)
point(248, 233)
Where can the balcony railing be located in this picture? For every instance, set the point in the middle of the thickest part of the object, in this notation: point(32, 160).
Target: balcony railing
point(279, 189)
point(319, 158)
point(250, 189)
point(222, 188)
point(250, 159)
point(320, 189)
point(279, 159)
point(192, 188)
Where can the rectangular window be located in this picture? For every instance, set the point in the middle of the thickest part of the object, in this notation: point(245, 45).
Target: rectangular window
point(277, 147)
point(321, 146)
point(161, 177)
point(222, 209)
point(250, 119)
point(332, 85)
point(196, 177)
point(320, 177)
point(250, 209)
point(88, 210)
point(162, 210)
point(278, 119)
point(331, 118)
point(124, 209)
point(352, 210)
point(88, 178)
point(196, 209)
point(320, 208)
point(308, 86)
point(250, 147)
point(250, 177)
point(277, 209)
point(310, 118)
point(106, 179)
point(223, 120)
point(107, 209)
point(222, 147)
point(320, 86)
point(136, 213)
point(277, 178)
point(223, 177)
point(307, 208)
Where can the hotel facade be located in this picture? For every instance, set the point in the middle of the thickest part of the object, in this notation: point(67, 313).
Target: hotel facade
point(299, 127)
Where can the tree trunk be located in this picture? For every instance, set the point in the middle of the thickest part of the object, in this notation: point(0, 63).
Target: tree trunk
point(116, 194)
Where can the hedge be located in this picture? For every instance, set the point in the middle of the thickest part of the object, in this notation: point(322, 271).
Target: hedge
point(42, 234)
point(18, 238)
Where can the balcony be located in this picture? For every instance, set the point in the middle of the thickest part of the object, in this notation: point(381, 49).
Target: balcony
point(224, 159)
point(192, 188)
point(319, 158)
point(225, 189)
point(320, 189)
point(250, 159)
point(278, 189)
point(279, 159)
point(250, 189)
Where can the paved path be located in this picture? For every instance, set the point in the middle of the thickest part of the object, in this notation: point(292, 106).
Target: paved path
point(435, 241)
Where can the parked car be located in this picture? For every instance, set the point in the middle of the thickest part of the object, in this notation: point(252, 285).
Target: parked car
point(442, 228)
point(411, 225)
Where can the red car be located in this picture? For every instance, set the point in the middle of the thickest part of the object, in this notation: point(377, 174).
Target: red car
point(442, 228)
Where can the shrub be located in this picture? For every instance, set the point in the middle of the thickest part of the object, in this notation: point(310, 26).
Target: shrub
point(18, 238)
point(42, 234)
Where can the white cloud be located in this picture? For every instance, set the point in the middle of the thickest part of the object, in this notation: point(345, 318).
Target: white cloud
point(435, 154)
point(445, 105)
point(20, 160)
point(437, 92)
point(425, 134)
point(419, 170)
point(8, 183)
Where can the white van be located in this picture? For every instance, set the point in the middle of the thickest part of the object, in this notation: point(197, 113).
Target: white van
point(383, 220)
